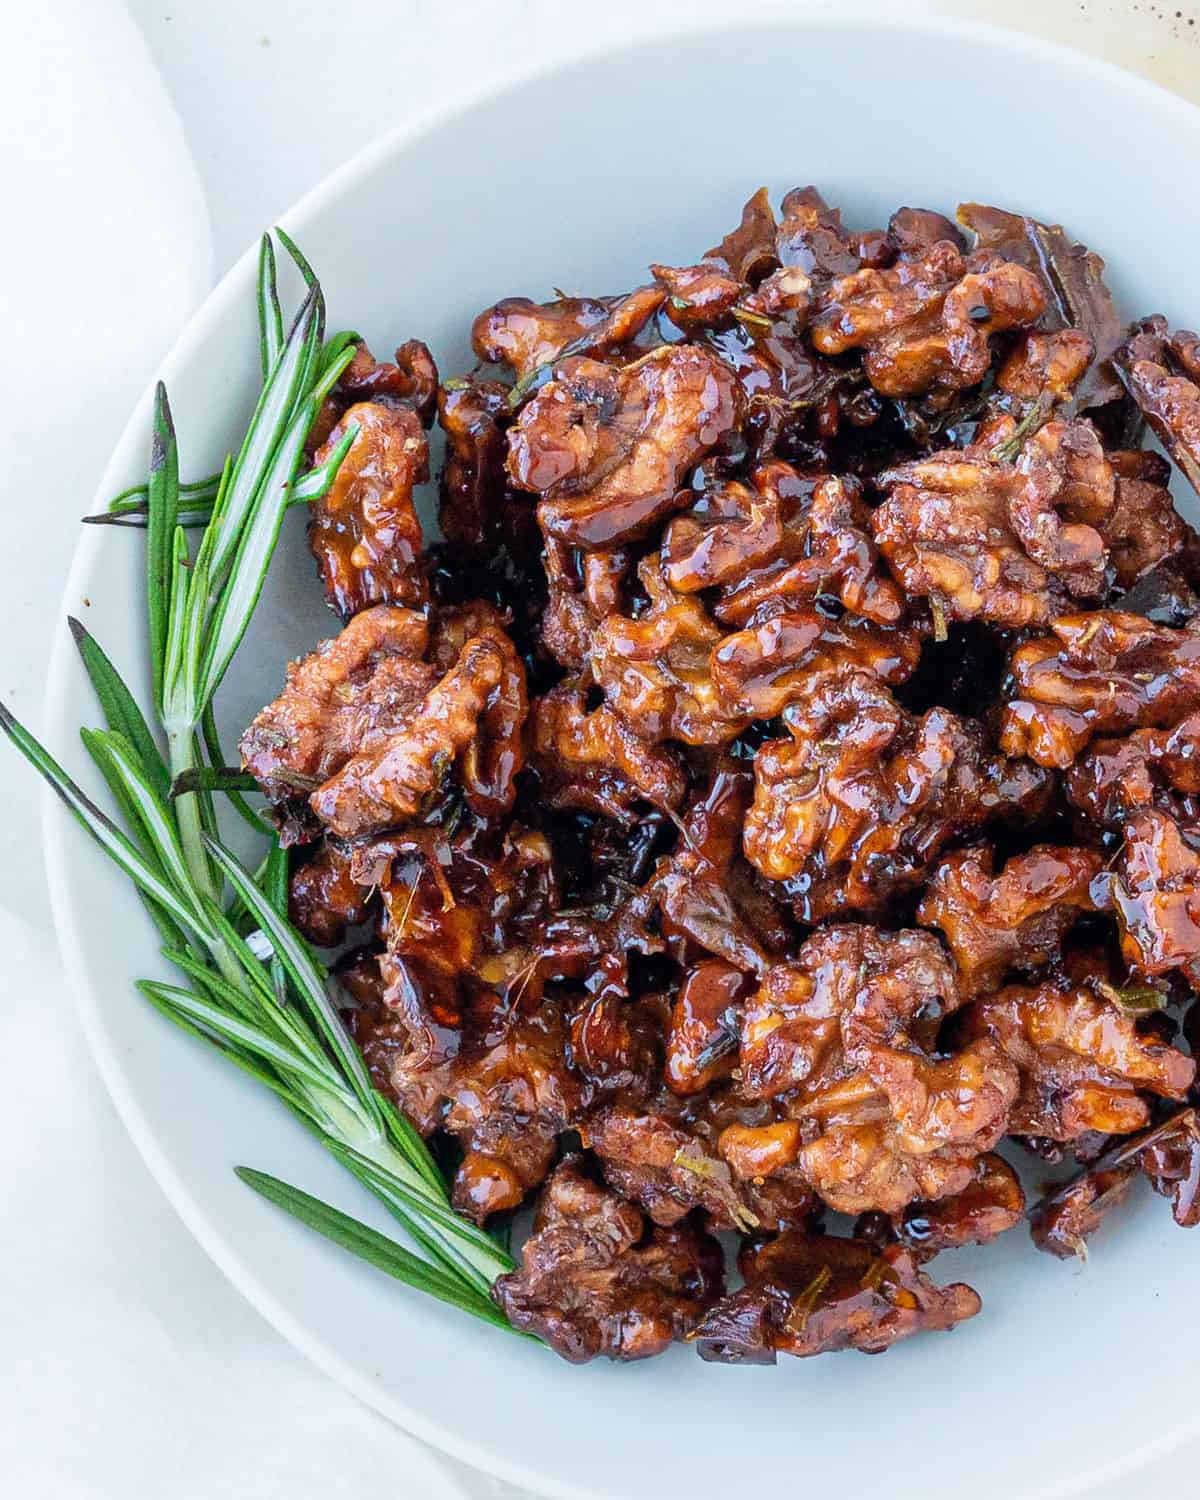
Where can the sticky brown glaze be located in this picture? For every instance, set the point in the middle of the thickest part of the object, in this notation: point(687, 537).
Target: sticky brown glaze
point(994, 924)
point(592, 1284)
point(815, 1294)
point(364, 531)
point(779, 787)
point(607, 449)
point(1098, 673)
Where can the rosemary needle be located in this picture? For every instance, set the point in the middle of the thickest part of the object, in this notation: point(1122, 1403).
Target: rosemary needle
point(263, 1000)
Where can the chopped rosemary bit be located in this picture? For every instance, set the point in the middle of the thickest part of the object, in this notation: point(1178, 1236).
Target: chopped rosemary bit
point(719, 1175)
point(1136, 998)
point(802, 1308)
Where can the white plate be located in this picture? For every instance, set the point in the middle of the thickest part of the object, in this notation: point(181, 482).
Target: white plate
point(577, 178)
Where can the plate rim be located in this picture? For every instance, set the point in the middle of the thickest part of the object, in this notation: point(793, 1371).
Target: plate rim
point(232, 288)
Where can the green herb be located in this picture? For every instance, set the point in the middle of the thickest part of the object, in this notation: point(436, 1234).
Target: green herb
point(717, 1173)
point(1137, 999)
point(252, 987)
point(1008, 448)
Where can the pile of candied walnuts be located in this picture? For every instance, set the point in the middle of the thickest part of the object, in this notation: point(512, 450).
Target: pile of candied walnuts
point(781, 785)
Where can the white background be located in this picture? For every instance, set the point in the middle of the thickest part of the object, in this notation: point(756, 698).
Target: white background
point(128, 1368)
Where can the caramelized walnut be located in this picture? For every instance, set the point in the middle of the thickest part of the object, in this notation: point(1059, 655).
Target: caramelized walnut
point(925, 325)
point(1040, 374)
point(1170, 1158)
point(1083, 1062)
point(1168, 1154)
point(808, 1294)
point(1154, 891)
point(702, 1040)
point(1144, 529)
point(747, 253)
point(1072, 278)
point(914, 230)
point(477, 510)
point(1064, 1221)
point(584, 589)
point(495, 1078)
point(592, 1283)
point(780, 538)
point(655, 1155)
point(846, 1036)
point(855, 806)
point(324, 898)
point(994, 924)
point(812, 238)
point(655, 669)
point(368, 730)
point(705, 894)
point(364, 530)
point(607, 449)
point(1162, 374)
point(698, 297)
point(1146, 768)
point(992, 1203)
point(1098, 673)
point(760, 670)
point(344, 695)
point(593, 759)
point(528, 335)
point(388, 780)
point(412, 378)
point(1005, 542)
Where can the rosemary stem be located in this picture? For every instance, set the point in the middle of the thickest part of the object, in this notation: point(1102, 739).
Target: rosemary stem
point(189, 817)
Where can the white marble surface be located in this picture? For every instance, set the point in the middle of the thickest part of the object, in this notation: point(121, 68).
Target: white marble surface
point(128, 1368)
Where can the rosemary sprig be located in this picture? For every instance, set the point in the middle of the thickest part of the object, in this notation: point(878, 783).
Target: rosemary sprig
point(253, 989)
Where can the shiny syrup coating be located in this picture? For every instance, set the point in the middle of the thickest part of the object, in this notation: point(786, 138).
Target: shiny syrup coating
point(777, 791)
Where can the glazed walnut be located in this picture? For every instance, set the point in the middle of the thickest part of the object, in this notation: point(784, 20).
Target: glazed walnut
point(856, 805)
point(1161, 371)
point(364, 530)
point(1084, 1064)
point(593, 758)
point(1072, 279)
point(478, 510)
point(324, 898)
point(1159, 768)
point(780, 660)
point(994, 924)
point(584, 588)
point(527, 336)
point(992, 1203)
point(1169, 1156)
point(1096, 674)
point(369, 730)
point(925, 324)
point(1144, 529)
point(655, 669)
point(494, 1079)
point(845, 1038)
point(591, 1282)
point(343, 695)
point(705, 895)
point(1154, 891)
point(606, 449)
point(655, 1155)
point(410, 380)
point(780, 537)
point(808, 1294)
point(1006, 542)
